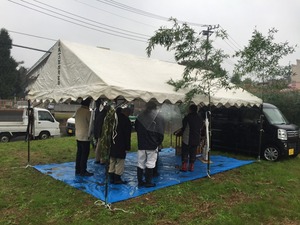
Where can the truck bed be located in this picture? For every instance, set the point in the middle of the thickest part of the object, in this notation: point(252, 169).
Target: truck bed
point(11, 120)
point(11, 115)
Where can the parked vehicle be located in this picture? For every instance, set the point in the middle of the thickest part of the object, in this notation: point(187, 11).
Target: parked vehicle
point(14, 122)
point(70, 125)
point(238, 129)
point(51, 106)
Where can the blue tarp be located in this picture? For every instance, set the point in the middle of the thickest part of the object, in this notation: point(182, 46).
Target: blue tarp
point(168, 168)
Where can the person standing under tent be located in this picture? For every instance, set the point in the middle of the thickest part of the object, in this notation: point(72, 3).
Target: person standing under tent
point(150, 134)
point(121, 142)
point(191, 131)
point(96, 130)
point(99, 120)
point(82, 121)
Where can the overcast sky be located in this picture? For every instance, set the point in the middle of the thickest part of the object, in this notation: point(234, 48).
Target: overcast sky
point(126, 25)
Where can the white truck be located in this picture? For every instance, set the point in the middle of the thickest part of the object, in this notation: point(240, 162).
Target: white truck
point(14, 122)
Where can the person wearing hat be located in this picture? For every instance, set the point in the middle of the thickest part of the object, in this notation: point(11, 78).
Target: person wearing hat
point(82, 121)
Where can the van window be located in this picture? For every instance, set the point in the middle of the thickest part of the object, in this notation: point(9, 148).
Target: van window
point(46, 116)
point(250, 115)
point(274, 116)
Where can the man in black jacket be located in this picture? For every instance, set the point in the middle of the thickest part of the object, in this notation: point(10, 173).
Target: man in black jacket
point(120, 144)
point(150, 134)
point(191, 127)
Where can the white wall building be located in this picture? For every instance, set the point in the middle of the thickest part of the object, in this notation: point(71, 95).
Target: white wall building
point(295, 79)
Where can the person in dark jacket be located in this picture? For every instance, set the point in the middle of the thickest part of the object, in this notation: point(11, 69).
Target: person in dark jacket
point(96, 131)
point(149, 126)
point(121, 142)
point(98, 124)
point(191, 127)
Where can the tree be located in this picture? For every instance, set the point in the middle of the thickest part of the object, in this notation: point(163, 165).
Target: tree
point(201, 60)
point(260, 60)
point(8, 67)
point(23, 81)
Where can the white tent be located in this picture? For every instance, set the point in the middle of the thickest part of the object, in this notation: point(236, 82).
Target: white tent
point(71, 70)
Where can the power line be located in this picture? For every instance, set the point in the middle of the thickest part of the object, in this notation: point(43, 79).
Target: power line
point(89, 25)
point(236, 45)
point(82, 25)
point(79, 20)
point(118, 15)
point(31, 35)
point(30, 48)
point(143, 13)
point(87, 19)
point(128, 34)
point(133, 10)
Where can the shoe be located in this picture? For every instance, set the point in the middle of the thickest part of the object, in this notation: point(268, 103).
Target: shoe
point(118, 180)
point(111, 177)
point(191, 167)
point(86, 174)
point(155, 170)
point(184, 167)
point(147, 185)
point(141, 184)
point(140, 174)
point(97, 162)
point(149, 176)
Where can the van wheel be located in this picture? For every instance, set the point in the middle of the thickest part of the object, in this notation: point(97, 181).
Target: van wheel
point(271, 153)
point(44, 135)
point(4, 137)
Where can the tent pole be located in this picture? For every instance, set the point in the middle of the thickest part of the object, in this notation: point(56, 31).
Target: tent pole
point(28, 133)
point(106, 181)
point(261, 130)
point(208, 140)
point(30, 121)
point(208, 116)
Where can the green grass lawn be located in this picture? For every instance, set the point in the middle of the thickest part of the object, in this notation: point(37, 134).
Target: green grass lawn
point(259, 193)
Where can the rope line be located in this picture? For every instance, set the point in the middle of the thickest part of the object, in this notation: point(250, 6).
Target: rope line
point(109, 207)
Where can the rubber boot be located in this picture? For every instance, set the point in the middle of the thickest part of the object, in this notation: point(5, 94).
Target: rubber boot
point(184, 167)
point(155, 170)
point(149, 176)
point(118, 180)
point(191, 167)
point(111, 178)
point(140, 174)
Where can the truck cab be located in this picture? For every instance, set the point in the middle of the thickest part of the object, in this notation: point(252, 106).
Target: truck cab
point(45, 124)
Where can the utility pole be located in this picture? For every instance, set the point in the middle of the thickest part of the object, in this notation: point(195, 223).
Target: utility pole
point(207, 33)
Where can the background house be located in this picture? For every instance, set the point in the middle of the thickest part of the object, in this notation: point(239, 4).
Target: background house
point(295, 79)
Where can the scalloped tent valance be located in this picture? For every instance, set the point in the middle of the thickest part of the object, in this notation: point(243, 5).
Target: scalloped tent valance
point(71, 71)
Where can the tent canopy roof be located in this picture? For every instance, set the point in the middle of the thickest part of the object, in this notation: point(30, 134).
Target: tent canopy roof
point(73, 71)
